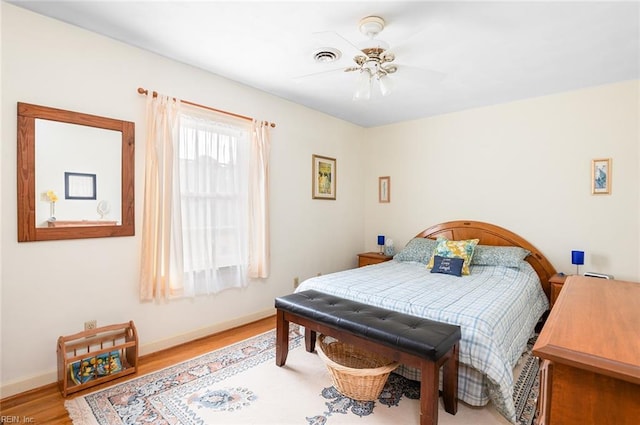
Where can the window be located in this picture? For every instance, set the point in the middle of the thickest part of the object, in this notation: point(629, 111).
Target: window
point(205, 223)
point(213, 192)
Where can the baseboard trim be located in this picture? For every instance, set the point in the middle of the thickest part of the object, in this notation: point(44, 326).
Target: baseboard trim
point(27, 385)
point(49, 378)
point(152, 347)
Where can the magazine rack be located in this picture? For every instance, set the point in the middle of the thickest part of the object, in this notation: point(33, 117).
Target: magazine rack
point(95, 356)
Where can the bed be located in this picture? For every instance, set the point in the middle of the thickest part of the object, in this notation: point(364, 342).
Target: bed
point(497, 305)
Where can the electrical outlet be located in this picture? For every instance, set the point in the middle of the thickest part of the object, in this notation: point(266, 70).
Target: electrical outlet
point(296, 282)
point(90, 324)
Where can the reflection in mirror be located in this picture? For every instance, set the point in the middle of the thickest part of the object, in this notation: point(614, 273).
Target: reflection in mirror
point(64, 155)
point(75, 175)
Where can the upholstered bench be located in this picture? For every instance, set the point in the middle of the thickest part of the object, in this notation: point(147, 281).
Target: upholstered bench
point(413, 341)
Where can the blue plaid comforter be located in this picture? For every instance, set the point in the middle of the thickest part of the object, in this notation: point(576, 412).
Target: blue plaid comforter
point(496, 307)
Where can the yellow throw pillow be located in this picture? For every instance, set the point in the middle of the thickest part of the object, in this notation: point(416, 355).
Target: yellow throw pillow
point(455, 249)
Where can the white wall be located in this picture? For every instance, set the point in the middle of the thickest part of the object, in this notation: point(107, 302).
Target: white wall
point(525, 166)
point(51, 288)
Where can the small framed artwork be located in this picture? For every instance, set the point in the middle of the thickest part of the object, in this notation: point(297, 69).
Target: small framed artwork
point(79, 186)
point(601, 176)
point(323, 177)
point(384, 189)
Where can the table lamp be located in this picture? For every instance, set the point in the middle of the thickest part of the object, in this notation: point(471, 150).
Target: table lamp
point(577, 258)
point(381, 243)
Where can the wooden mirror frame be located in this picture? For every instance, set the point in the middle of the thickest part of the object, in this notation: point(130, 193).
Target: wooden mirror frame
point(27, 230)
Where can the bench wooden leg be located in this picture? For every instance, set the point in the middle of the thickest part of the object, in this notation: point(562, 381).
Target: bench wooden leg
point(282, 338)
point(429, 393)
point(450, 382)
point(309, 339)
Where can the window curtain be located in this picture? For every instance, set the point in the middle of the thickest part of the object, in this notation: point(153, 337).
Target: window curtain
point(206, 218)
point(160, 275)
point(259, 251)
point(214, 185)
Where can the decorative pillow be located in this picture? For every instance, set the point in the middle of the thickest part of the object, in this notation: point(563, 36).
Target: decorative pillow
point(417, 249)
point(449, 249)
point(508, 256)
point(447, 265)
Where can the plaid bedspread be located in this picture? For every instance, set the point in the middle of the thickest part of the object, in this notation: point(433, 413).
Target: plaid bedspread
point(496, 307)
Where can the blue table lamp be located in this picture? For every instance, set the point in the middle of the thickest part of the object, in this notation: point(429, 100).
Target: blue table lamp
point(577, 258)
point(381, 243)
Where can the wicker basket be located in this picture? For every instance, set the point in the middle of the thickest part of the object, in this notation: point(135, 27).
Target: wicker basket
point(356, 373)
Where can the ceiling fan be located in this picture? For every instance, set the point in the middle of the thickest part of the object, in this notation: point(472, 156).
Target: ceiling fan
point(374, 62)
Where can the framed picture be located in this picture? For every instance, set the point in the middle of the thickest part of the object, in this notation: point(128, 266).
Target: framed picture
point(323, 177)
point(384, 189)
point(601, 176)
point(79, 186)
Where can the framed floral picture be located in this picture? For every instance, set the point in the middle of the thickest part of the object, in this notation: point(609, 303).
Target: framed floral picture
point(601, 176)
point(384, 189)
point(323, 177)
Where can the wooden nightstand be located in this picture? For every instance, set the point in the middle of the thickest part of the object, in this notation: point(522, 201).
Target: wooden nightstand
point(556, 281)
point(368, 258)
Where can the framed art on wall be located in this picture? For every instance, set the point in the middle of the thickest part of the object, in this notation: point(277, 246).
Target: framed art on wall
point(601, 176)
point(79, 186)
point(323, 177)
point(384, 189)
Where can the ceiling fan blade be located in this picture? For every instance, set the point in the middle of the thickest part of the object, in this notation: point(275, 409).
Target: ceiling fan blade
point(335, 40)
point(325, 73)
point(417, 75)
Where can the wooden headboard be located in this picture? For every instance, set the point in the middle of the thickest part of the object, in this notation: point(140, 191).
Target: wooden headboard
point(490, 234)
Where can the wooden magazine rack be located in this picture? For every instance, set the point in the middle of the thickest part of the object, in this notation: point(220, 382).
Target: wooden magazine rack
point(95, 356)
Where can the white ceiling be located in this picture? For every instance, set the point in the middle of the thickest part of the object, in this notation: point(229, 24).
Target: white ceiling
point(482, 53)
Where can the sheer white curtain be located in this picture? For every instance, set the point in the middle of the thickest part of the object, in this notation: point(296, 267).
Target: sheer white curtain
point(259, 251)
point(214, 178)
point(206, 216)
point(160, 274)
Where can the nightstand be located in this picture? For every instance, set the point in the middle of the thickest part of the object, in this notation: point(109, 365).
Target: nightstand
point(556, 281)
point(368, 258)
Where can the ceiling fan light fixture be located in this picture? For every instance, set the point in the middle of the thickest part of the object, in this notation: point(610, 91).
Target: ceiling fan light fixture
point(389, 69)
point(375, 62)
point(386, 84)
point(363, 88)
point(373, 46)
point(387, 57)
point(360, 60)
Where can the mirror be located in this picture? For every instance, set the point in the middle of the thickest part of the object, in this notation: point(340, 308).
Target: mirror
point(75, 175)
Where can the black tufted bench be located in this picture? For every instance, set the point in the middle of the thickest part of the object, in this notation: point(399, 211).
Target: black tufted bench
point(413, 341)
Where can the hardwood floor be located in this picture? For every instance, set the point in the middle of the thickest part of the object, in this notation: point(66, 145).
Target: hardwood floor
point(45, 405)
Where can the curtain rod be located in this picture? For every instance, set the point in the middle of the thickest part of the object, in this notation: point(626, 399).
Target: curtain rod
point(155, 94)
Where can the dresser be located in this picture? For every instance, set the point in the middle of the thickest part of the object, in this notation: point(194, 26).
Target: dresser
point(590, 353)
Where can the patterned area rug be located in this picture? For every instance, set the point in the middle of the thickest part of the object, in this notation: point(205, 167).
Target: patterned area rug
point(241, 384)
point(527, 386)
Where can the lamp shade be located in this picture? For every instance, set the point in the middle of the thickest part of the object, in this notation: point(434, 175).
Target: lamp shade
point(380, 239)
point(577, 258)
point(386, 84)
point(363, 91)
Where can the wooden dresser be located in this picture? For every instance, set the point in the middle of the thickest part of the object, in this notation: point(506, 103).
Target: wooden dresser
point(590, 352)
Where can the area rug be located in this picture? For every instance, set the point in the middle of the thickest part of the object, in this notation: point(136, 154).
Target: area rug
point(241, 384)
